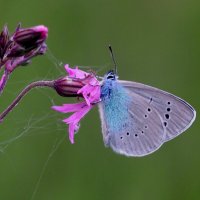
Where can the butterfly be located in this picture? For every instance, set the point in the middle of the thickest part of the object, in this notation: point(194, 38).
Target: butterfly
point(137, 119)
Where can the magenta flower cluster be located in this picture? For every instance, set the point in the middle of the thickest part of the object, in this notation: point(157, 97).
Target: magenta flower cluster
point(19, 48)
point(24, 44)
point(91, 94)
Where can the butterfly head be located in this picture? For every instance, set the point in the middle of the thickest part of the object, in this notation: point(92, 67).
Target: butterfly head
point(111, 75)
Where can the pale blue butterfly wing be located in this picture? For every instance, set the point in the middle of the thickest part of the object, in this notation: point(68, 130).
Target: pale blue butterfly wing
point(128, 126)
point(177, 114)
point(137, 119)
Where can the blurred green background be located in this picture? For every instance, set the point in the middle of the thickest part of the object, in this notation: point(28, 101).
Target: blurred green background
point(155, 42)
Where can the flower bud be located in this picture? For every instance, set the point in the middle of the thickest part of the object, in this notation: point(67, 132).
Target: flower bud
point(68, 87)
point(19, 48)
point(15, 50)
point(31, 38)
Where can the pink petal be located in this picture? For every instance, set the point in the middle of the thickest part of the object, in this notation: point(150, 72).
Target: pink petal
point(71, 133)
point(95, 95)
point(76, 73)
point(90, 93)
point(73, 128)
point(76, 117)
point(85, 90)
point(65, 108)
point(70, 71)
point(42, 29)
point(73, 121)
point(94, 82)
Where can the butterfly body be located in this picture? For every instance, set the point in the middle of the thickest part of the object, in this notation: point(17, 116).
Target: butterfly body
point(115, 102)
point(137, 119)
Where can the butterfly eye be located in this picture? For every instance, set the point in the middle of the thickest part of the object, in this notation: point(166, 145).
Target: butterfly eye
point(111, 75)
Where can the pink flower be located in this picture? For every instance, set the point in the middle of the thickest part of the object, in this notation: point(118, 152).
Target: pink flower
point(19, 48)
point(90, 91)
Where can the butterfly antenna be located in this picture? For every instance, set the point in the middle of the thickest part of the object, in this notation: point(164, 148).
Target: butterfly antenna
point(113, 58)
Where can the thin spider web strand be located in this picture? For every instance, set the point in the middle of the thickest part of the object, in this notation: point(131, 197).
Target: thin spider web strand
point(30, 126)
point(32, 123)
point(9, 141)
point(54, 60)
point(54, 148)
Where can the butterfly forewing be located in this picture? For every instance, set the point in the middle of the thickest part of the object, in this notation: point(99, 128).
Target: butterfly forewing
point(128, 126)
point(176, 114)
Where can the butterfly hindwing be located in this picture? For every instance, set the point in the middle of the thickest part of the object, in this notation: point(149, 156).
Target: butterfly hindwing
point(128, 126)
point(177, 115)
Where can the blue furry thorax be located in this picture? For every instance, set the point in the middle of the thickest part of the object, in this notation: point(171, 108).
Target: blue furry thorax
point(107, 89)
point(115, 101)
point(113, 91)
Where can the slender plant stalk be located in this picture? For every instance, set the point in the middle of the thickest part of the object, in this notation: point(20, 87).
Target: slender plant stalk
point(23, 93)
